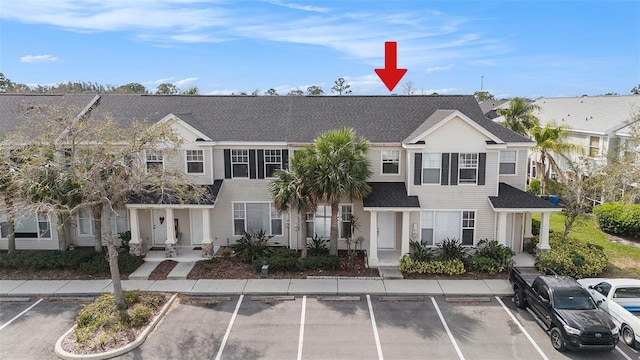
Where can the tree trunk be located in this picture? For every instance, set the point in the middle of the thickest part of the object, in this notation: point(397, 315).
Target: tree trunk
point(97, 225)
point(303, 231)
point(11, 218)
point(333, 244)
point(107, 234)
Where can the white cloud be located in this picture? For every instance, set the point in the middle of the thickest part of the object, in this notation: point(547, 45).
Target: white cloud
point(183, 82)
point(439, 68)
point(38, 59)
point(299, 7)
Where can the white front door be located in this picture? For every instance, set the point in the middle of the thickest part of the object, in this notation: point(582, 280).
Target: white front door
point(159, 226)
point(386, 230)
point(196, 226)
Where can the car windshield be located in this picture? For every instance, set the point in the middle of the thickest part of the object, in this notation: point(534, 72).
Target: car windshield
point(573, 300)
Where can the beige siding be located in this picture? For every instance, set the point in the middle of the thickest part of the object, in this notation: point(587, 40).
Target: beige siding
point(375, 159)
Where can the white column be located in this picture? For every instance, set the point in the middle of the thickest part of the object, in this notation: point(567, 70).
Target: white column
point(171, 230)
point(501, 234)
point(543, 244)
point(406, 233)
point(373, 239)
point(527, 225)
point(206, 227)
point(134, 226)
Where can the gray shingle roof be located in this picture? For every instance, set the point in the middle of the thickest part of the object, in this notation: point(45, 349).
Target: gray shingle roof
point(294, 118)
point(510, 197)
point(211, 196)
point(391, 195)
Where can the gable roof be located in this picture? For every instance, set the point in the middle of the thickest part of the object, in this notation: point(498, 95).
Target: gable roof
point(296, 119)
point(439, 118)
point(594, 114)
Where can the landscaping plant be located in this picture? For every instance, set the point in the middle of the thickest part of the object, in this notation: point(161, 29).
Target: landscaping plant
point(252, 246)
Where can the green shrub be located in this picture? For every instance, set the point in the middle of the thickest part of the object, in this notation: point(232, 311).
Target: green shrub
point(139, 315)
point(419, 252)
point(500, 255)
point(128, 263)
point(534, 187)
point(125, 237)
point(449, 267)
point(451, 249)
point(317, 246)
point(99, 264)
point(45, 259)
point(535, 227)
point(280, 262)
point(252, 246)
point(620, 219)
point(322, 262)
point(574, 258)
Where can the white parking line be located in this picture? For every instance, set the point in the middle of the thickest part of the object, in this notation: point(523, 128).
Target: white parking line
point(226, 334)
point(301, 335)
point(623, 354)
point(375, 329)
point(22, 313)
point(523, 330)
point(446, 327)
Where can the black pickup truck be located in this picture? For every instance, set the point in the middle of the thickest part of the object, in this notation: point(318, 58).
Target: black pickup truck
point(564, 309)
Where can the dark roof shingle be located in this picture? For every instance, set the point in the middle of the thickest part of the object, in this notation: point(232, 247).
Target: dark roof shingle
point(510, 197)
point(390, 195)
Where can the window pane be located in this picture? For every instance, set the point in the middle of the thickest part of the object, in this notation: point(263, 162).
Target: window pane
point(390, 168)
point(345, 230)
point(447, 225)
point(467, 175)
point(4, 229)
point(507, 156)
point(427, 237)
point(276, 226)
point(44, 229)
point(431, 176)
point(238, 226)
point(467, 237)
point(427, 219)
point(258, 217)
point(270, 169)
point(195, 167)
point(240, 170)
point(507, 168)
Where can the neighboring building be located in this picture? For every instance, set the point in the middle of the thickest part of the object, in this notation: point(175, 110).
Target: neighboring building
point(441, 169)
point(490, 107)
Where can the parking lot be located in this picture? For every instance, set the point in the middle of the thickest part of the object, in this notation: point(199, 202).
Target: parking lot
point(309, 327)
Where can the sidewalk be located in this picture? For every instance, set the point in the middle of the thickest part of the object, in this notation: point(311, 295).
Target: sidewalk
point(494, 287)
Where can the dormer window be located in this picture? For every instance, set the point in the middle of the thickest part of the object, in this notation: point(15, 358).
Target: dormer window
point(195, 161)
point(391, 162)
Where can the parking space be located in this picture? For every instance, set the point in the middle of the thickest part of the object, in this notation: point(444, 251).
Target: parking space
point(30, 330)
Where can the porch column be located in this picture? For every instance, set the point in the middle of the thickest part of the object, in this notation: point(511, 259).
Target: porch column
point(135, 247)
point(527, 226)
point(171, 247)
point(501, 231)
point(544, 232)
point(406, 231)
point(373, 239)
point(207, 244)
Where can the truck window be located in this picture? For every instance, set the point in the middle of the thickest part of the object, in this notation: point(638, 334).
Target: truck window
point(544, 292)
point(627, 293)
point(573, 300)
point(603, 288)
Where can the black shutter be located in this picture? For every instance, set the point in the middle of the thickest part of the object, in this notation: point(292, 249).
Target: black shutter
point(444, 170)
point(260, 164)
point(454, 169)
point(227, 163)
point(482, 164)
point(252, 164)
point(417, 169)
point(285, 159)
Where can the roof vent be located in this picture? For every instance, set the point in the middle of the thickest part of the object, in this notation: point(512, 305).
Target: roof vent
point(199, 139)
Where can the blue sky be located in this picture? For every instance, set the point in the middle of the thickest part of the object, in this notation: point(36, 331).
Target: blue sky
point(515, 48)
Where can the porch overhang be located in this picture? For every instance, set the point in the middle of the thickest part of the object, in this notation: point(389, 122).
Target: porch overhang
point(514, 200)
point(390, 196)
point(148, 202)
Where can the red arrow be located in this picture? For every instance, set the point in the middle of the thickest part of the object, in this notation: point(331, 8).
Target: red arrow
point(390, 75)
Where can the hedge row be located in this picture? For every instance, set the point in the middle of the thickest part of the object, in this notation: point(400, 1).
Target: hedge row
point(573, 257)
point(620, 219)
point(86, 261)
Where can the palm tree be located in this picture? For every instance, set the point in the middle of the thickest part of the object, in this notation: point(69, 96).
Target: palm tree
point(339, 168)
point(519, 116)
point(291, 190)
point(550, 138)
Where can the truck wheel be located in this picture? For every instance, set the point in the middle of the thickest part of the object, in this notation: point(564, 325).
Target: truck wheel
point(556, 339)
point(627, 335)
point(518, 299)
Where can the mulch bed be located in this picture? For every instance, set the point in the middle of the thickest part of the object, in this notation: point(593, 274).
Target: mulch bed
point(162, 270)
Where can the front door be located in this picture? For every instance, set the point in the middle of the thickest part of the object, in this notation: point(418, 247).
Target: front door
point(196, 226)
point(159, 226)
point(386, 230)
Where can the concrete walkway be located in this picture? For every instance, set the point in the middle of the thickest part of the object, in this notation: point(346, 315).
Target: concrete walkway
point(24, 288)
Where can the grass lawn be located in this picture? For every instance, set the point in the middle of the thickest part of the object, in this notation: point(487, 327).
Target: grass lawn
point(624, 260)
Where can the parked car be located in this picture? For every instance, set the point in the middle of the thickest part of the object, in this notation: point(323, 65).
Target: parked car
point(621, 299)
point(564, 309)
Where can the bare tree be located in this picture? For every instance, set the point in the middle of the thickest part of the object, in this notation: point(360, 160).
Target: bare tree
point(408, 88)
point(341, 87)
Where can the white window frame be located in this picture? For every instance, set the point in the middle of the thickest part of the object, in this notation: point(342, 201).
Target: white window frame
point(310, 218)
point(467, 161)
point(239, 212)
point(272, 157)
point(153, 159)
point(80, 217)
point(119, 215)
point(239, 157)
point(40, 219)
point(389, 157)
point(597, 148)
point(514, 162)
point(424, 167)
point(465, 224)
point(194, 157)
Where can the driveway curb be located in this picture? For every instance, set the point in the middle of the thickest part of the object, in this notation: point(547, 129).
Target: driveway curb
point(113, 353)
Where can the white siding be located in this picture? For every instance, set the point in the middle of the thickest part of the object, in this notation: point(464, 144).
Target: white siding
point(518, 180)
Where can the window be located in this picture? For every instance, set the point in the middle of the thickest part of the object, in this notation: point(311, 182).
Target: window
point(27, 226)
point(594, 146)
point(255, 217)
point(390, 161)
point(154, 161)
point(85, 222)
point(272, 162)
point(240, 163)
point(431, 168)
point(439, 225)
point(468, 167)
point(508, 162)
point(119, 221)
point(319, 222)
point(195, 161)
point(44, 230)
point(468, 227)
